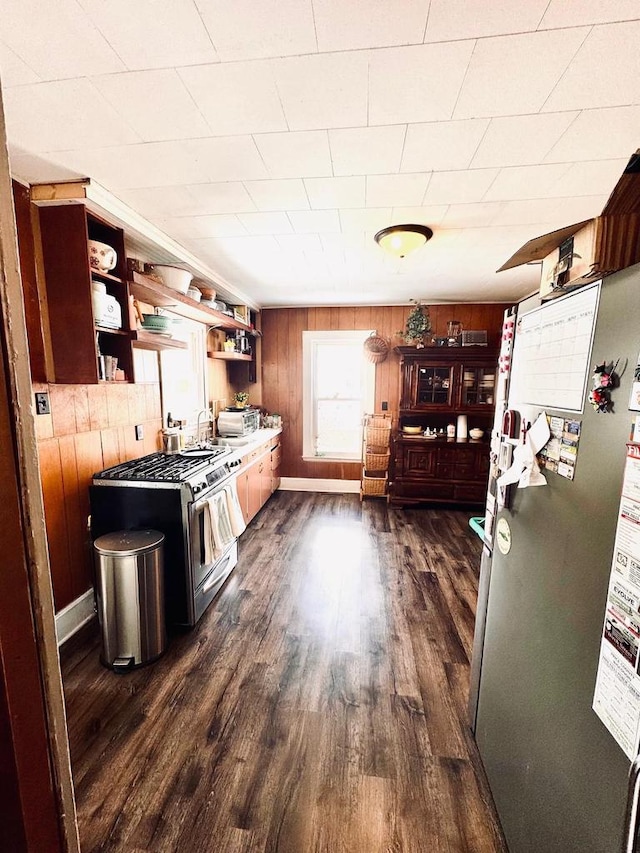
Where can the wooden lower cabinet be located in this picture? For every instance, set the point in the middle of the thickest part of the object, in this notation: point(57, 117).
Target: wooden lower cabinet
point(439, 472)
point(259, 477)
point(276, 456)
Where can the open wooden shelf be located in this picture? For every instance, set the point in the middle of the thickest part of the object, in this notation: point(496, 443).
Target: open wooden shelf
point(107, 330)
point(229, 356)
point(106, 276)
point(147, 340)
point(152, 292)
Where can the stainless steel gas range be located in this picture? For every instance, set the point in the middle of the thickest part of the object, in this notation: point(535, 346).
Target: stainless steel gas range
point(169, 492)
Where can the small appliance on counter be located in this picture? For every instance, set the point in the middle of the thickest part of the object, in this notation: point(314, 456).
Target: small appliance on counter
point(236, 421)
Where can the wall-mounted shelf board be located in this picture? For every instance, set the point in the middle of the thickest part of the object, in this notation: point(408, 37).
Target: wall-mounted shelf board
point(152, 292)
point(229, 356)
point(148, 340)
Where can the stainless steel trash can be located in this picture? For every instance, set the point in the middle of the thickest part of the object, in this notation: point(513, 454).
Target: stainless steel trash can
point(130, 593)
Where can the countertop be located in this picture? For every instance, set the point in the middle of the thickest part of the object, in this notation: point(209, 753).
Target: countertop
point(254, 440)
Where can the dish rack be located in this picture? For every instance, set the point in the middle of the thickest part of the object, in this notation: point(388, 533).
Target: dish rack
point(375, 455)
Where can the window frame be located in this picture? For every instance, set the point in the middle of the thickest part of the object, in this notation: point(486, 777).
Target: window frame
point(311, 340)
point(195, 335)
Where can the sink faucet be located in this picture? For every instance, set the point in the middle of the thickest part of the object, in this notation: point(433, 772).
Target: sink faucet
point(207, 413)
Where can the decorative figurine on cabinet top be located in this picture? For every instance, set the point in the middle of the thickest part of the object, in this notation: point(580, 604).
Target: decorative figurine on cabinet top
point(417, 327)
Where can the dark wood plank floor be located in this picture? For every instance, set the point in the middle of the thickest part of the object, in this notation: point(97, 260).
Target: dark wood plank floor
point(318, 707)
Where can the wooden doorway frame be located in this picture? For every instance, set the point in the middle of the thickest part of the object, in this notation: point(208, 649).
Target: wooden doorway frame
point(37, 806)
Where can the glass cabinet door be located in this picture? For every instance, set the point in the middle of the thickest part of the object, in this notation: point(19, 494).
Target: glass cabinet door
point(434, 385)
point(478, 385)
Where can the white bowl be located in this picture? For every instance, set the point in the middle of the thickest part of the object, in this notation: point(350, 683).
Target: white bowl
point(174, 277)
point(195, 294)
point(101, 256)
point(476, 433)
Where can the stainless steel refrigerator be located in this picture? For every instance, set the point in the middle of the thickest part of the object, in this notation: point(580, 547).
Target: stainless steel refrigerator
point(558, 777)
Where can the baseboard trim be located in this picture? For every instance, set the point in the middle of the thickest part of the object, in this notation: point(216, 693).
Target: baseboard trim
point(306, 484)
point(72, 617)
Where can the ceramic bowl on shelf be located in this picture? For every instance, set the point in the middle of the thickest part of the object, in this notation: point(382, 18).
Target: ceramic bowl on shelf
point(174, 277)
point(194, 293)
point(101, 256)
point(412, 430)
point(476, 433)
point(155, 323)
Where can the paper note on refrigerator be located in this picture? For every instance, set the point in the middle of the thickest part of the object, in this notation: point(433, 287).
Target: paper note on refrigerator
point(617, 693)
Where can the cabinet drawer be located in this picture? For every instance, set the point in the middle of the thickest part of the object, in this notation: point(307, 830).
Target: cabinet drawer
point(427, 491)
point(465, 472)
point(444, 470)
point(470, 492)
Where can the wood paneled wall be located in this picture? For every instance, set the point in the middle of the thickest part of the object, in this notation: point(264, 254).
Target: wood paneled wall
point(90, 427)
point(282, 364)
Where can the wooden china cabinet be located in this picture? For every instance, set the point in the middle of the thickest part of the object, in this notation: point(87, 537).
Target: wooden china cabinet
point(437, 384)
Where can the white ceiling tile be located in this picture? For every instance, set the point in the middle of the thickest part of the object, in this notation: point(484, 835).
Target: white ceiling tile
point(367, 150)
point(152, 33)
point(13, 70)
point(460, 19)
point(56, 40)
point(134, 95)
point(604, 73)
point(459, 187)
point(441, 146)
point(514, 75)
point(315, 221)
point(520, 140)
point(323, 91)
point(243, 251)
point(563, 211)
point(265, 223)
point(63, 114)
point(327, 193)
point(194, 200)
point(229, 197)
point(592, 178)
point(369, 23)
point(559, 13)
point(424, 215)
point(161, 202)
point(253, 30)
point(228, 158)
point(599, 135)
point(286, 194)
point(420, 83)
point(367, 219)
point(478, 215)
point(236, 97)
point(522, 182)
point(295, 155)
point(194, 228)
point(34, 169)
point(396, 190)
point(152, 164)
point(298, 244)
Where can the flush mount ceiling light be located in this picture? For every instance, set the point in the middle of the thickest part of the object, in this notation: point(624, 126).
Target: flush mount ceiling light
point(399, 240)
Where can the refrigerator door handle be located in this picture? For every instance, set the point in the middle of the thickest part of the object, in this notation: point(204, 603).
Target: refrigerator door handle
point(631, 812)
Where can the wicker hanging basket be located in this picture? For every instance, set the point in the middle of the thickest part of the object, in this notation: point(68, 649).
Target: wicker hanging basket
point(376, 349)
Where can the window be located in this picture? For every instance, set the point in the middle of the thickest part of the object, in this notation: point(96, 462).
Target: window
point(183, 374)
point(339, 387)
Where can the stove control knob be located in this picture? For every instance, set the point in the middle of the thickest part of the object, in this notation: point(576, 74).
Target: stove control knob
point(199, 487)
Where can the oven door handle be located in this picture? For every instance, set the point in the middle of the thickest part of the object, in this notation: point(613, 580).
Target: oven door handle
point(216, 575)
point(221, 484)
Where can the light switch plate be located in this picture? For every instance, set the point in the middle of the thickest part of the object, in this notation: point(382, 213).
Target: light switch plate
point(139, 432)
point(42, 404)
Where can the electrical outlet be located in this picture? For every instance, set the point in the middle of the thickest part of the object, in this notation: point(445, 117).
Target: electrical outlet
point(385, 405)
point(42, 404)
point(139, 432)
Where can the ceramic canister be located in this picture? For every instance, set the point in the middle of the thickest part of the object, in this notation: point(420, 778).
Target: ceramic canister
point(461, 427)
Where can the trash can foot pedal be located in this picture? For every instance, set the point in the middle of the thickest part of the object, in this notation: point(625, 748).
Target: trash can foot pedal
point(123, 664)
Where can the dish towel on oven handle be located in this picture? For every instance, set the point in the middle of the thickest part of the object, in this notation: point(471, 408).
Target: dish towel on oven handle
point(233, 506)
point(217, 527)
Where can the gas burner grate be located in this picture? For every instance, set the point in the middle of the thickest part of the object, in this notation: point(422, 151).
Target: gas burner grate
point(161, 467)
